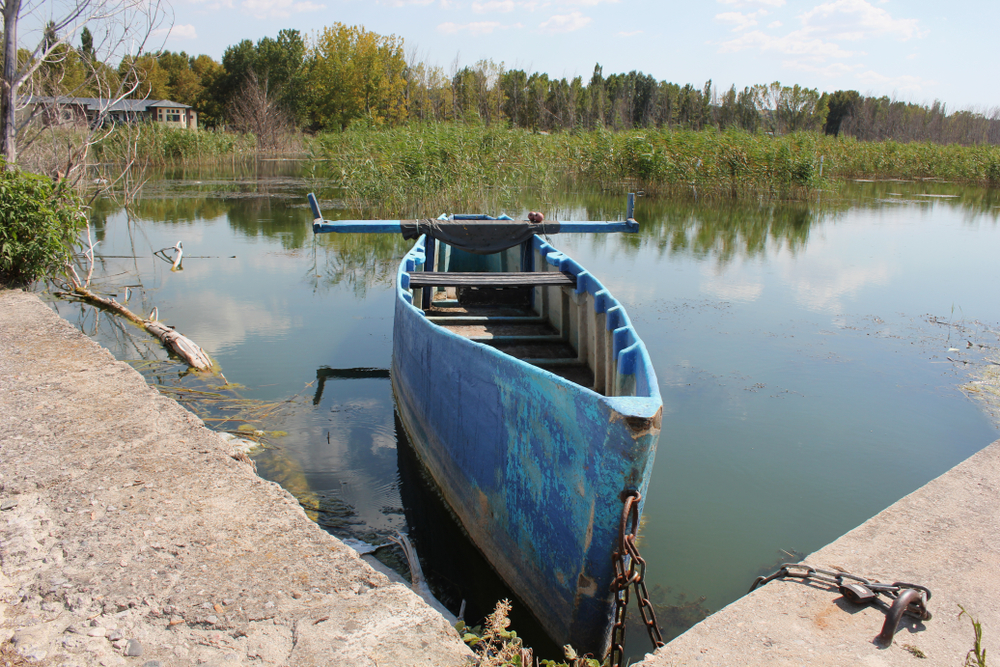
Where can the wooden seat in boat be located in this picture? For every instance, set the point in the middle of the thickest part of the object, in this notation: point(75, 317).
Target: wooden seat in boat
point(484, 279)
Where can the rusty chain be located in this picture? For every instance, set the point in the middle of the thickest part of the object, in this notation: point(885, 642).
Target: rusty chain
point(908, 599)
point(630, 570)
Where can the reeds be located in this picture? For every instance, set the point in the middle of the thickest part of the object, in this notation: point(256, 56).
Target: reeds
point(156, 144)
point(443, 166)
point(447, 166)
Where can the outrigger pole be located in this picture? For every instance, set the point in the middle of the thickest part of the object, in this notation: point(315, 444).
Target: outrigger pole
point(321, 226)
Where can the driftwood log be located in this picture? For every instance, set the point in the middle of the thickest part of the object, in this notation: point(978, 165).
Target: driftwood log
point(186, 348)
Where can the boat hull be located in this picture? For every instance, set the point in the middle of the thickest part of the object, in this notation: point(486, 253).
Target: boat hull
point(533, 466)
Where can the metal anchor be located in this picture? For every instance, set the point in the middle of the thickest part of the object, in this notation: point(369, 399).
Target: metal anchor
point(910, 601)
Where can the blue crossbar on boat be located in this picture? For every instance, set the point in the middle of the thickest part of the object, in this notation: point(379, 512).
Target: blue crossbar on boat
point(321, 226)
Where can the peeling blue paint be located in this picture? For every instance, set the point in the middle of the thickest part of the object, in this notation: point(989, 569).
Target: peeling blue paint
point(533, 465)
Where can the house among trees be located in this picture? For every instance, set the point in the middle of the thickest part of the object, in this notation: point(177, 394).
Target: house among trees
point(95, 111)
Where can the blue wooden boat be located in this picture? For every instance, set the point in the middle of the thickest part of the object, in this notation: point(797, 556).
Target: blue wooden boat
point(530, 399)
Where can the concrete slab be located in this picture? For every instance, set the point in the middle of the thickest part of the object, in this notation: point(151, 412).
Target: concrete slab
point(945, 535)
point(130, 533)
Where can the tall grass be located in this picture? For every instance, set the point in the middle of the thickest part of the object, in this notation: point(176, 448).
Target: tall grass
point(157, 144)
point(443, 166)
point(703, 163)
point(447, 166)
point(850, 158)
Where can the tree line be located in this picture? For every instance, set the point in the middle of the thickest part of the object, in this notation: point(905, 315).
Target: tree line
point(346, 74)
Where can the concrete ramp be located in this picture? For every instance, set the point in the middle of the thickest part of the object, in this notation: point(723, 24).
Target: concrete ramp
point(945, 536)
point(130, 533)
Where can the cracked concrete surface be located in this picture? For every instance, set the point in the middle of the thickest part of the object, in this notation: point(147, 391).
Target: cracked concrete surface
point(131, 534)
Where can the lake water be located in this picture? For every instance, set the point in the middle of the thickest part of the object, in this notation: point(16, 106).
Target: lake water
point(810, 357)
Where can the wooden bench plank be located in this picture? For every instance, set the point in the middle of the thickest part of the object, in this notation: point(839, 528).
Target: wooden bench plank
point(465, 320)
point(512, 279)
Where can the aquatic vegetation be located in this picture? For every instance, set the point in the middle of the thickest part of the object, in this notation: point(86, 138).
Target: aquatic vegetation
point(451, 166)
point(156, 144)
point(441, 166)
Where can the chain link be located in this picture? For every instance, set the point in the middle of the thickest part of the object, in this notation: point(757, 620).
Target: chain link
point(907, 599)
point(630, 571)
point(836, 578)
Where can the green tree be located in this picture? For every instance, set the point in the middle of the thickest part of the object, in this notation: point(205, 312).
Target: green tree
point(841, 104)
point(354, 73)
point(145, 77)
point(87, 45)
point(747, 113)
point(182, 83)
point(63, 73)
point(275, 64)
point(209, 73)
point(800, 108)
point(598, 98)
point(466, 87)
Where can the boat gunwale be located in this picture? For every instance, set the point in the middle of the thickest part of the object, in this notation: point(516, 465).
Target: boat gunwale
point(629, 349)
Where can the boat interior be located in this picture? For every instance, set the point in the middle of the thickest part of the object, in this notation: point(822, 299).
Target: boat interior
point(519, 302)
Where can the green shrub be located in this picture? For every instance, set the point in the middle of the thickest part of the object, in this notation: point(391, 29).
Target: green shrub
point(39, 223)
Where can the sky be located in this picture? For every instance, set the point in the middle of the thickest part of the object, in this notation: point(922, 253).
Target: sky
point(914, 50)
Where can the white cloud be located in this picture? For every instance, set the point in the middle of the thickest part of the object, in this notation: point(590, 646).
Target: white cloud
point(906, 83)
point(852, 20)
point(742, 21)
point(233, 321)
point(797, 43)
point(829, 71)
point(826, 292)
point(825, 31)
point(629, 34)
point(185, 31)
point(753, 3)
point(405, 3)
point(505, 6)
point(565, 22)
point(494, 6)
point(263, 9)
point(475, 28)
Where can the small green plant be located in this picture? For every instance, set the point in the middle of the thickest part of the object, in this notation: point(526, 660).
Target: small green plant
point(976, 657)
point(496, 645)
point(39, 224)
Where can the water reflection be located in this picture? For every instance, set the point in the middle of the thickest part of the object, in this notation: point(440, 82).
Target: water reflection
point(357, 260)
point(324, 374)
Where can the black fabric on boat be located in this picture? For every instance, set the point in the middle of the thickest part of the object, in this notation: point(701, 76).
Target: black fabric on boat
point(482, 237)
